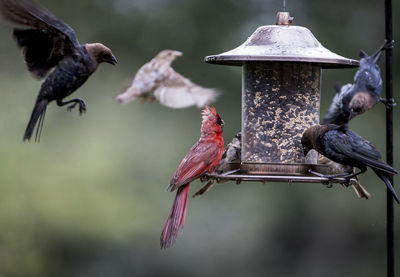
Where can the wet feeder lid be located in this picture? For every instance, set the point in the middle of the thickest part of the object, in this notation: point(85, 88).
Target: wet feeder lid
point(282, 42)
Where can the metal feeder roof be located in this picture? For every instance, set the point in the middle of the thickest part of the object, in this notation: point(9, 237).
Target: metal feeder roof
point(282, 42)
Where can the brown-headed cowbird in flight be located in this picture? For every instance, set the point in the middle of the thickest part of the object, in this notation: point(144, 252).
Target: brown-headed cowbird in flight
point(158, 80)
point(345, 147)
point(50, 43)
point(361, 96)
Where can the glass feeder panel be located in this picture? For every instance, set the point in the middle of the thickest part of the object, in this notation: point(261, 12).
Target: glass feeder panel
point(280, 100)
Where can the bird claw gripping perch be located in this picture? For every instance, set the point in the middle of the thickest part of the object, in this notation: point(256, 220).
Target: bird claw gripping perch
point(205, 177)
point(386, 46)
point(331, 178)
point(389, 103)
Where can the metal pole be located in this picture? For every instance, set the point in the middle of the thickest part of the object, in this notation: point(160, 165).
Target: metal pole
point(389, 139)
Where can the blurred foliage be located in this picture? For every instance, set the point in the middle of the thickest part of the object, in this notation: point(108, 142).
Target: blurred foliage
point(90, 199)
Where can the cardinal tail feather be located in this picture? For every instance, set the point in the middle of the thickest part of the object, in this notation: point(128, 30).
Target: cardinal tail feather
point(176, 218)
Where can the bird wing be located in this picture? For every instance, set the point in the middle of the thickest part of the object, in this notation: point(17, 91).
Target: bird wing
point(335, 114)
point(355, 147)
point(368, 154)
point(197, 162)
point(146, 80)
point(177, 92)
point(46, 42)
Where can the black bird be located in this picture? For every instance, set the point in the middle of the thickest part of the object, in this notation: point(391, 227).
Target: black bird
point(357, 98)
point(48, 44)
point(343, 146)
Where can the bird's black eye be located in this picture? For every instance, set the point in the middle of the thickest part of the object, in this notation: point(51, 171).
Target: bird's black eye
point(220, 121)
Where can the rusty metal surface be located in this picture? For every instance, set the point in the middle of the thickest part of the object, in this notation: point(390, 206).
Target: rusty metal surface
point(282, 43)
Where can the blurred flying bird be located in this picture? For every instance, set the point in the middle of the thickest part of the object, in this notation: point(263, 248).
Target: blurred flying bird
point(345, 147)
point(50, 44)
point(158, 80)
point(336, 168)
point(232, 154)
point(354, 99)
point(202, 158)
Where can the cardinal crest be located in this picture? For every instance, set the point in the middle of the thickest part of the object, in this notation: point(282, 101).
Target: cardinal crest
point(209, 113)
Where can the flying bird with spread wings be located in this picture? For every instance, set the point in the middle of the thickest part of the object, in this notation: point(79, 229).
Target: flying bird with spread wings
point(158, 80)
point(50, 48)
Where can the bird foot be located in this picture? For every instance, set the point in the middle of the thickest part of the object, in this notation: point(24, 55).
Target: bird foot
point(147, 98)
point(347, 177)
point(205, 177)
point(347, 181)
point(389, 103)
point(329, 183)
point(388, 45)
point(204, 189)
point(71, 107)
point(82, 106)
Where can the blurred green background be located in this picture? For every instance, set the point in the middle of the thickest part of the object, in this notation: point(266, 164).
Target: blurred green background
point(91, 200)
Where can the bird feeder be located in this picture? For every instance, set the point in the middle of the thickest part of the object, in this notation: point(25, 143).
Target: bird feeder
point(281, 86)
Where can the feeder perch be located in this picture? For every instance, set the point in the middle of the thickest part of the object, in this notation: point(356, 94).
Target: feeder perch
point(281, 87)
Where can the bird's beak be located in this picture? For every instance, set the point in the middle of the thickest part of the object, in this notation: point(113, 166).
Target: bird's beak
point(178, 53)
point(112, 60)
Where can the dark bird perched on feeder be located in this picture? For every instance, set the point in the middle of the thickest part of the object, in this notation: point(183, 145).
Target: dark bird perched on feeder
point(232, 154)
point(345, 147)
point(158, 80)
point(50, 43)
point(202, 158)
point(354, 99)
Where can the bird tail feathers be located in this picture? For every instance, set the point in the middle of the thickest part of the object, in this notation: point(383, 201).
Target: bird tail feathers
point(38, 115)
point(176, 218)
point(375, 164)
point(383, 176)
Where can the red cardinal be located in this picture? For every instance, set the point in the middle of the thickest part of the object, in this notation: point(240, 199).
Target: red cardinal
point(202, 158)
